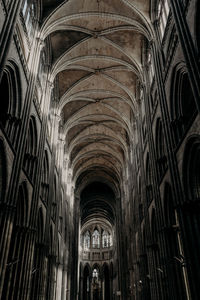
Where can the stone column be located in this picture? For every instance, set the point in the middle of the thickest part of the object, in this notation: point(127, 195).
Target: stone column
point(188, 48)
point(6, 225)
point(7, 31)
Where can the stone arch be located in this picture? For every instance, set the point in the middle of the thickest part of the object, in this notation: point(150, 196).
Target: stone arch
point(86, 282)
point(107, 281)
point(22, 212)
point(183, 107)
point(11, 104)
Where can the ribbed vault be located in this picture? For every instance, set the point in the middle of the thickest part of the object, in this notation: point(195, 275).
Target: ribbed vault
point(96, 64)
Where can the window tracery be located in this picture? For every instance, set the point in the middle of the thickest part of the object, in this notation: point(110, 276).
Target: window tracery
point(106, 240)
point(96, 239)
point(87, 240)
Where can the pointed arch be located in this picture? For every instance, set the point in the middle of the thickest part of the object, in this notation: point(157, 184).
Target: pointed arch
point(107, 281)
point(22, 211)
point(86, 282)
point(183, 107)
point(11, 102)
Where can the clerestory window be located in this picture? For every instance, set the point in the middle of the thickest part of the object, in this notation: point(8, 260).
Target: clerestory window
point(95, 239)
point(86, 241)
point(106, 240)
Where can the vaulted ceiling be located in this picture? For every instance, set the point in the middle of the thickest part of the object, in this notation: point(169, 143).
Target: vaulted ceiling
point(96, 60)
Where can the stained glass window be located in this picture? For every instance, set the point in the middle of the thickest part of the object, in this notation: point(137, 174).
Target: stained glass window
point(96, 239)
point(106, 239)
point(95, 273)
point(87, 240)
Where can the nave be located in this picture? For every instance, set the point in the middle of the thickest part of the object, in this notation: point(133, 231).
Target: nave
point(99, 149)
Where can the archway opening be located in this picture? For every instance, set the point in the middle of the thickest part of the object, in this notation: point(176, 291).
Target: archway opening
point(86, 284)
point(97, 241)
point(106, 283)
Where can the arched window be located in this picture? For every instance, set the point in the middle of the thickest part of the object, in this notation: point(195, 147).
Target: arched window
point(86, 283)
point(106, 239)
point(10, 112)
point(96, 239)
point(86, 240)
point(183, 105)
